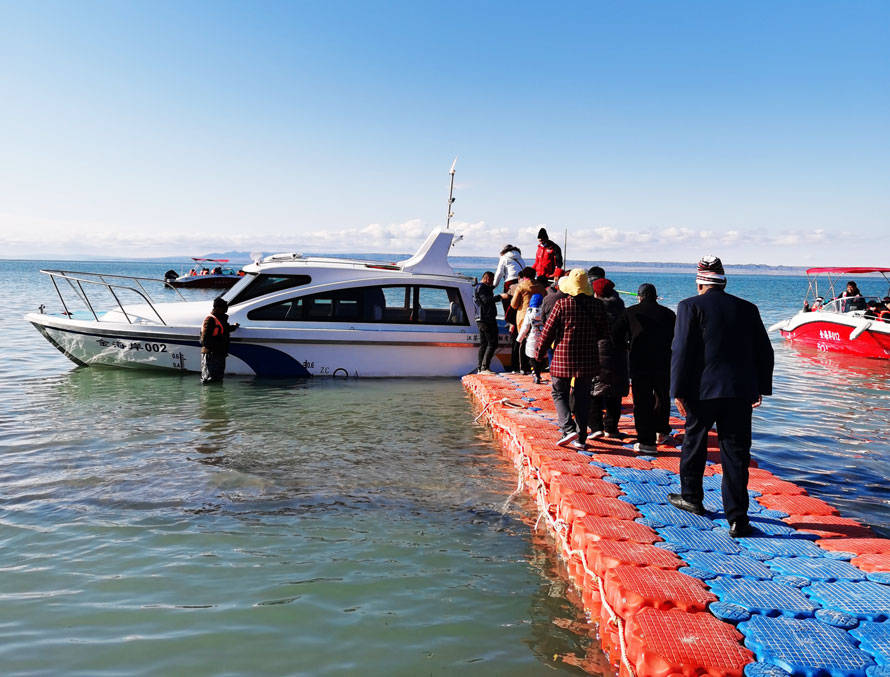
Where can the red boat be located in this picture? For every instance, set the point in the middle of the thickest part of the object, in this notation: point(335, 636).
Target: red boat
point(850, 323)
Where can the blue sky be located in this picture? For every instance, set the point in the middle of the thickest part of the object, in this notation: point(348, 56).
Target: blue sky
point(651, 131)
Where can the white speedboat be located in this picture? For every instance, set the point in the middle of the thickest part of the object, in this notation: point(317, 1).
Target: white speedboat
point(299, 316)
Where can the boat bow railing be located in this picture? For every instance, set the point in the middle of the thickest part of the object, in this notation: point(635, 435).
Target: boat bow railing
point(77, 279)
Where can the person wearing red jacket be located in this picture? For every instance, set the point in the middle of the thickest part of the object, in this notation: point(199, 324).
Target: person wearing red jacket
point(548, 258)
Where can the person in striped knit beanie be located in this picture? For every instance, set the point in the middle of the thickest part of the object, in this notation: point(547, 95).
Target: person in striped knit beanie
point(721, 367)
point(710, 271)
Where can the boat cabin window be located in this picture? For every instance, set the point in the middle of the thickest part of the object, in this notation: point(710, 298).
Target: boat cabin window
point(254, 285)
point(390, 304)
point(286, 311)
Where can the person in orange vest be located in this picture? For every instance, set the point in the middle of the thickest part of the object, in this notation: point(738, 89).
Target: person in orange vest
point(215, 333)
point(884, 315)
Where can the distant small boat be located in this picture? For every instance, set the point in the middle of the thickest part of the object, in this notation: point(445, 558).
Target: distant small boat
point(856, 325)
point(200, 276)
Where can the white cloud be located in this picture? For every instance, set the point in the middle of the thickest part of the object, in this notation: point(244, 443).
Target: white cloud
point(35, 237)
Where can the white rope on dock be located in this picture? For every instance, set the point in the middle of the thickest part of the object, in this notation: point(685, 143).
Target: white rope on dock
point(558, 526)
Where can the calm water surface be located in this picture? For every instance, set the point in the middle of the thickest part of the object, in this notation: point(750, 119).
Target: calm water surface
point(150, 525)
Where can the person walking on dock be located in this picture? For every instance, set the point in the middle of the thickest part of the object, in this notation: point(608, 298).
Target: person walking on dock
point(215, 335)
point(574, 326)
point(612, 383)
point(530, 332)
point(721, 367)
point(486, 320)
point(651, 330)
point(522, 296)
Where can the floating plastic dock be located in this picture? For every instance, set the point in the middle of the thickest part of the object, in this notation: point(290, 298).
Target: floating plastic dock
point(807, 594)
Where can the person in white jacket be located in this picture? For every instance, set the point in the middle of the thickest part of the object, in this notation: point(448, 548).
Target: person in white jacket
point(509, 266)
point(531, 329)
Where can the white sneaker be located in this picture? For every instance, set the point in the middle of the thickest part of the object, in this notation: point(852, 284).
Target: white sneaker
point(661, 438)
point(571, 437)
point(581, 446)
point(645, 448)
point(596, 433)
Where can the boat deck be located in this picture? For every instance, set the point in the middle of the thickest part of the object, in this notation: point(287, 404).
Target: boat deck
point(807, 594)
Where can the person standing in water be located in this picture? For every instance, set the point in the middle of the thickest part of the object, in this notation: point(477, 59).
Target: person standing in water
point(215, 336)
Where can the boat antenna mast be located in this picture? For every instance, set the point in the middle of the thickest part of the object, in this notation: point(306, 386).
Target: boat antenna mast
point(565, 248)
point(450, 196)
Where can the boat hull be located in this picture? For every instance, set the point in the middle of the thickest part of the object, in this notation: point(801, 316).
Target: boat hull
point(205, 281)
point(841, 333)
point(255, 352)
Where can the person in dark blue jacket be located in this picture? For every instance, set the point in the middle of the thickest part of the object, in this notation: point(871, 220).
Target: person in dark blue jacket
point(486, 320)
point(721, 367)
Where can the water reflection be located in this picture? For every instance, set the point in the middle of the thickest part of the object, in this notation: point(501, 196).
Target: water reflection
point(844, 369)
point(215, 418)
point(825, 428)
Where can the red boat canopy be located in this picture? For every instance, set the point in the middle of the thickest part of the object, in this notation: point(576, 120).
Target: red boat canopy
point(854, 270)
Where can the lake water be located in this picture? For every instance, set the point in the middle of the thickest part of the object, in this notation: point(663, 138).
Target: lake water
point(150, 525)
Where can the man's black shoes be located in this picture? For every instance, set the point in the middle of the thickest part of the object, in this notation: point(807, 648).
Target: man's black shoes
point(740, 528)
point(678, 501)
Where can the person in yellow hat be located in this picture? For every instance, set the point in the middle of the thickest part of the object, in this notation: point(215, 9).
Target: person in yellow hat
point(574, 326)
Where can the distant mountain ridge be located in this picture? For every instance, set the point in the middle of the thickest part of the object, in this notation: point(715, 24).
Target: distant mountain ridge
point(239, 258)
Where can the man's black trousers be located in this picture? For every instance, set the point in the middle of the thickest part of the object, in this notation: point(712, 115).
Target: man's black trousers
point(733, 419)
point(488, 342)
point(652, 405)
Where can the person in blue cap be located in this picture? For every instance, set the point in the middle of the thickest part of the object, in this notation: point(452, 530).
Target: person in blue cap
point(530, 332)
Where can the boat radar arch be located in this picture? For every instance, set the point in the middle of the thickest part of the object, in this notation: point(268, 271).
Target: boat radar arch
point(432, 257)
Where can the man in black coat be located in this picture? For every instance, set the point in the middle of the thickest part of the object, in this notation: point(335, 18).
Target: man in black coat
point(651, 330)
point(721, 367)
point(486, 320)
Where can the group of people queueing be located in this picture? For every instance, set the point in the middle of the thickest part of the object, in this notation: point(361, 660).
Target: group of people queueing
point(523, 297)
point(713, 358)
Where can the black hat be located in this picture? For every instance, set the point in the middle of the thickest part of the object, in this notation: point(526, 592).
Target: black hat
point(542, 234)
point(647, 291)
point(595, 272)
point(219, 303)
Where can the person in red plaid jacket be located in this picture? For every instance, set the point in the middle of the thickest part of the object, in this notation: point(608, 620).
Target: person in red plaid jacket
point(574, 325)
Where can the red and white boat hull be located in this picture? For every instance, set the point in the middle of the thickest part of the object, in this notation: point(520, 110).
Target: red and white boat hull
point(839, 332)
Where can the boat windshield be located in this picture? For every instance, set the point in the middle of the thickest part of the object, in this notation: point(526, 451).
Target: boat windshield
point(851, 304)
point(253, 285)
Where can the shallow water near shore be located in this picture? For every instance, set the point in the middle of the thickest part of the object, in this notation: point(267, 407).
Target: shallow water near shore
point(149, 524)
